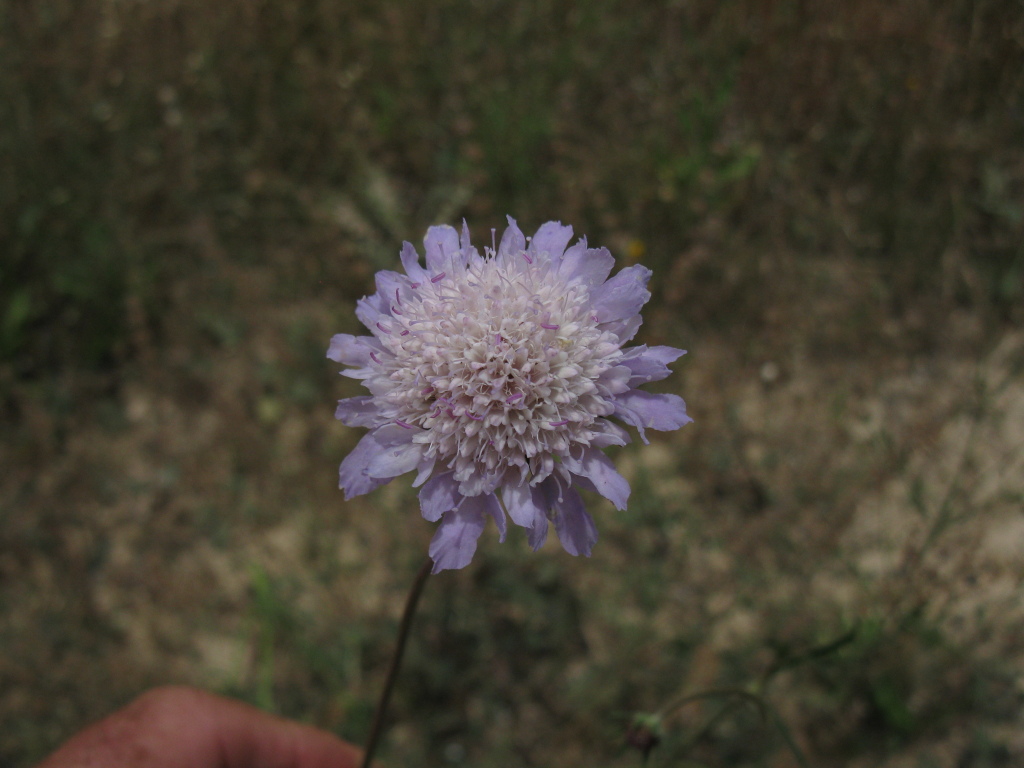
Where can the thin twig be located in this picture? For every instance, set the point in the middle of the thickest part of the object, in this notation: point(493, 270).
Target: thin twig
point(396, 661)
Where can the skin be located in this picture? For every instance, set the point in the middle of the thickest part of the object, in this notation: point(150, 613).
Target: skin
point(179, 727)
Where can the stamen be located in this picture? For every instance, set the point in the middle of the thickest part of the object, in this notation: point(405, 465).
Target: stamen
point(375, 358)
point(383, 328)
point(549, 326)
point(527, 257)
point(474, 417)
point(437, 278)
point(404, 333)
point(401, 423)
point(558, 423)
point(398, 299)
point(512, 398)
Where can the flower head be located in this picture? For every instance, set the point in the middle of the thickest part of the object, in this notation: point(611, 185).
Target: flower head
point(499, 374)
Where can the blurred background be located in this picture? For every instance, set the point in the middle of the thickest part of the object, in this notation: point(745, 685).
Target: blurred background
point(194, 194)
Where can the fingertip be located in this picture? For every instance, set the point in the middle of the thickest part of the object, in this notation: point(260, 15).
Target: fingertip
point(175, 726)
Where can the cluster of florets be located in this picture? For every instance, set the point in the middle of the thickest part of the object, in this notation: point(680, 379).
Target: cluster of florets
point(499, 373)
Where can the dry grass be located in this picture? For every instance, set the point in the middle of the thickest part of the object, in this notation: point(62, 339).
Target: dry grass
point(193, 195)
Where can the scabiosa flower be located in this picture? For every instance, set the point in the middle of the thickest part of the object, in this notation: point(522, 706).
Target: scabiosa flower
point(499, 374)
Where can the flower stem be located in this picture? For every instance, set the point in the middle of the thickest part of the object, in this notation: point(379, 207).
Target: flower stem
point(396, 661)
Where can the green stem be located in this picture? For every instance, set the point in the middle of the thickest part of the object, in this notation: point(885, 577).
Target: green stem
point(396, 661)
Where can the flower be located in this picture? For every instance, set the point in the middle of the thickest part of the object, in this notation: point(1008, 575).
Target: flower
point(500, 373)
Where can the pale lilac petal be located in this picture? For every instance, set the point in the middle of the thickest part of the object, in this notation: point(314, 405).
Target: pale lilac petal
point(411, 263)
point(575, 528)
point(398, 454)
point(359, 373)
point(389, 287)
point(423, 470)
point(623, 295)
point(454, 542)
point(440, 245)
point(590, 266)
point(469, 251)
point(608, 433)
point(395, 460)
point(650, 364)
point(362, 411)
point(370, 314)
point(394, 434)
point(352, 350)
point(352, 477)
point(614, 381)
point(579, 481)
point(538, 534)
point(487, 503)
point(525, 505)
point(650, 411)
point(438, 495)
point(481, 482)
point(599, 469)
point(551, 239)
point(513, 241)
point(624, 329)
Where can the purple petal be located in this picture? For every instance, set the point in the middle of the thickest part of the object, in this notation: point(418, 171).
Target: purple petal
point(487, 503)
point(551, 239)
point(372, 315)
point(598, 468)
point(352, 350)
point(513, 241)
point(362, 411)
point(650, 364)
point(359, 373)
point(391, 435)
point(398, 454)
point(624, 329)
point(423, 470)
point(352, 477)
point(395, 460)
point(471, 254)
point(438, 495)
point(390, 285)
point(623, 295)
point(575, 528)
point(590, 266)
point(480, 482)
point(454, 542)
point(614, 381)
point(646, 410)
point(440, 244)
point(411, 263)
point(607, 433)
point(387, 281)
point(538, 534)
point(525, 505)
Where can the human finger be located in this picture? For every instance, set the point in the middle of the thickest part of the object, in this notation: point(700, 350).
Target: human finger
point(181, 727)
